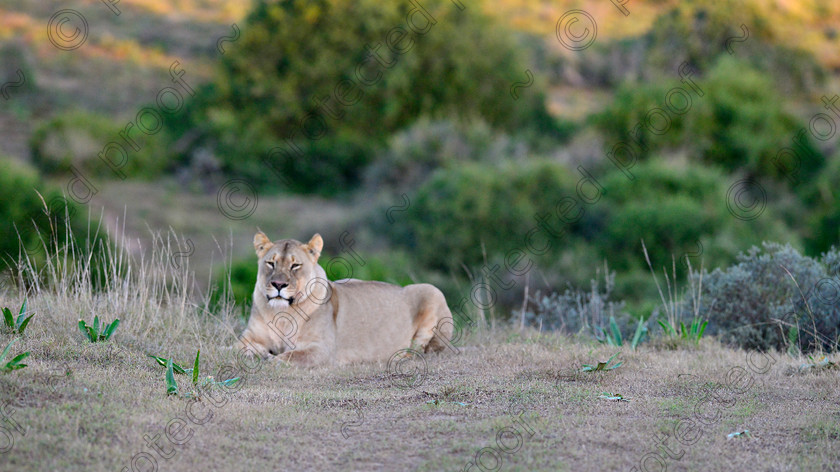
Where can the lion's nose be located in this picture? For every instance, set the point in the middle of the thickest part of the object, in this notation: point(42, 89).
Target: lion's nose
point(279, 285)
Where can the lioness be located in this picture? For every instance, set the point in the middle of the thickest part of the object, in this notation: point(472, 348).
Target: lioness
point(301, 317)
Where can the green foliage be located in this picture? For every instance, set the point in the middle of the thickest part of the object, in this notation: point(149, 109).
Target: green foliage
point(743, 124)
point(654, 207)
point(640, 334)
point(602, 366)
point(197, 385)
point(457, 212)
point(76, 139)
point(33, 215)
point(13, 364)
point(694, 332)
point(697, 32)
point(237, 285)
point(758, 300)
point(163, 362)
point(392, 267)
point(293, 55)
point(677, 304)
point(414, 153)
point(98, 332)
point(614, 397)
point(17, 325)
point(171, 385)
point(611, 336)
point(823, 200)
point(739, 122)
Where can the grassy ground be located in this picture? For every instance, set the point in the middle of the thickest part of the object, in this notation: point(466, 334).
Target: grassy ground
point(511, 400)
point(83, 406)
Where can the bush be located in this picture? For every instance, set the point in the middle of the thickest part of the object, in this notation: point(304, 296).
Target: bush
point(678, 210)
point(27, 218)
point(576, 311)
point(292, 56)
point(823, 199)
point(697, 33)
point(393, 267)
point(459, 211)
point(756, 305)
point(76, 138)
point(416, 152)
point(739, 123)
point(236, 284)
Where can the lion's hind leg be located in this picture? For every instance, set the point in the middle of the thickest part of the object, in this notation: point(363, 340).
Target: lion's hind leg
point(427, 321)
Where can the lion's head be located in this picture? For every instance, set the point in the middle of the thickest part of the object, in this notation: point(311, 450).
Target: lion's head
point(287, 270)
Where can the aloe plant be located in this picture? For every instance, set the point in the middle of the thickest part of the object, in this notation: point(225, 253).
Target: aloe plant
point(93, 333)
point(611, 336)
point(615, 397)
point(640, 334)
point(693, 332)
point(17, 325)
point(602, 366)
point(172, 385)
point(13, 364)
point(175, 367)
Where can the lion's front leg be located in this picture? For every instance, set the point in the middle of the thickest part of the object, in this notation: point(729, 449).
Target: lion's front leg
point(306, 356)
point(252, 346)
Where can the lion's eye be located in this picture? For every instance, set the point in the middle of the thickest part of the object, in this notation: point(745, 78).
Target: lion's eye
point(295, 266)
point(269, 264)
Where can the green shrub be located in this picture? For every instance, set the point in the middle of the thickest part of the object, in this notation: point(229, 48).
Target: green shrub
point(672, 207)
point(236, 284)
point(697, 32)
point(413, 154)
point(76, 138)
point(457, 211)
point(292, 55)
point(756, 304)
point(26, 217)
point(823, 199)
point(393, 267)
point(739, 123)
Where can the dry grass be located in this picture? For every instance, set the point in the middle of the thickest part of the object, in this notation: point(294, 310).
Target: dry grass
point(83, 406)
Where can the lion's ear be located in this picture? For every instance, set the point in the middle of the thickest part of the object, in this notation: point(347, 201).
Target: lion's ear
point(315, 245)
point(261, 243)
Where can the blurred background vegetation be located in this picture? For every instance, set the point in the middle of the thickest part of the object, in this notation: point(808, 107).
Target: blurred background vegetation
point(439, 139)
